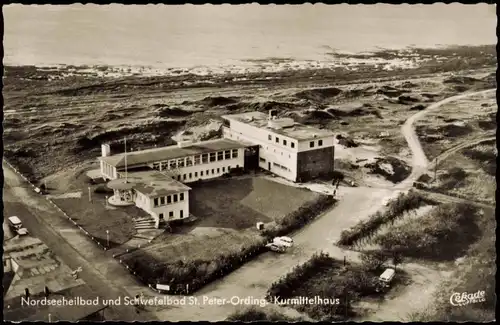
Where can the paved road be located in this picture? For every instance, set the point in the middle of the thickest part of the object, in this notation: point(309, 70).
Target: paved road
point(61, 236)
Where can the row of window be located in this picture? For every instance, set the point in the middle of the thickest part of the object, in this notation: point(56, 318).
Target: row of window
point(311, 144)
point(196, 160)
point(171, 215)
point(281, 167)
point(215, 171)
point(292, 144)
point(277, 139)
point(164, 200)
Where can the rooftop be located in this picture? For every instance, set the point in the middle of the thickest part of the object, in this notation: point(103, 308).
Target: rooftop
point(151, 183)
point(171, 152)
point(286, 126)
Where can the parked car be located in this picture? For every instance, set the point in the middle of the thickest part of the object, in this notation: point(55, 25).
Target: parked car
point(17, 226)
point(386, 278)
point(276, 248)
point(283, 241)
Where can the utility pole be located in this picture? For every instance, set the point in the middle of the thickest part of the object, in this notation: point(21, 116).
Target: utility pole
point(90, 195)
point(107, 237)
point(435, 170)
point(126, 160)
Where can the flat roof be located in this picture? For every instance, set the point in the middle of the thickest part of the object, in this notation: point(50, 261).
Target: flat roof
point(171, 152)
point(295, 130)
point(15, 220)
point(153, 183)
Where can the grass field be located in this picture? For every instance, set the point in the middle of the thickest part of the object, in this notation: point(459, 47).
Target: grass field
point(96, 218)
point(224, 233)
point(242, 202)
point(475, 272)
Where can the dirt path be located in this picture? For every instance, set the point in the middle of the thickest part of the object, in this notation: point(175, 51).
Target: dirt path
point(426, 280)
point(419, 160)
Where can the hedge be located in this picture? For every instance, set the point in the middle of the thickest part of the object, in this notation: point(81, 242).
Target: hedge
point(194, 273)
point(395, 209)
point(300, 217)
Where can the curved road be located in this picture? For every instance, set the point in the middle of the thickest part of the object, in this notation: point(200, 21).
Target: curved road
point(419, 160)
point(254, 278)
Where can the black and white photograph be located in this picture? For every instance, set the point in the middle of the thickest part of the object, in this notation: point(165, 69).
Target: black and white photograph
point(249, 162)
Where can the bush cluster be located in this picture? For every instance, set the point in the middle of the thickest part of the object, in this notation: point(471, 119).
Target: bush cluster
point(252, 314)
point(364, 230)
point(187, 277)
point(346, 284)
point(300, 217)
point(445, 233)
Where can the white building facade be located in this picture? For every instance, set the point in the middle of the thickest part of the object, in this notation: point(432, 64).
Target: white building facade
point(164, 207)
point(154, 179)
point(286, 148)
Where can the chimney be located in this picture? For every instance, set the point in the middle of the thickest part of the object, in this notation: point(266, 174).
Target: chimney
point(272, 114)
point(105, 150)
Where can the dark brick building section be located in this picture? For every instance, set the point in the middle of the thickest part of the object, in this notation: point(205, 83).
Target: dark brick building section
point(315, 163)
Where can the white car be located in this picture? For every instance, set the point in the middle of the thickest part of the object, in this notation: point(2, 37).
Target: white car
point(16, 225)
point(276, 248)
point(283, 241)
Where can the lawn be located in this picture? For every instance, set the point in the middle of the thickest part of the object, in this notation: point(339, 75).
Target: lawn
point(224, 235)
point(96, 218)
point(195, 246)
point(240, 203)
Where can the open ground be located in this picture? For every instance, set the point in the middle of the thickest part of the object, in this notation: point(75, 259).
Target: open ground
point(70, 133)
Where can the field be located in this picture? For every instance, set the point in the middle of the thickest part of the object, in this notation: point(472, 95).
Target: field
point(469, 173)
point(459, 122)
point(474, 272)
point(227, 211)
point(242, 202)
point(66, 113)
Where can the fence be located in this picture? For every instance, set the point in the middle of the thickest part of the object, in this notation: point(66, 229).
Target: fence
point(83, 230)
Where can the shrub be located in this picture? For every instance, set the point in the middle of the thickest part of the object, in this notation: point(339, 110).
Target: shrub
point(373, 261)
point(253, 313)
point(285, 286)
point(103, 189)
point(300, 217)
point(395, 209)
point(435, 235)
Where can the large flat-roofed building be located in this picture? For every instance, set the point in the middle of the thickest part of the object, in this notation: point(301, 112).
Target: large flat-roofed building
point(185, 162)
point(153, 179)
point(291, 150)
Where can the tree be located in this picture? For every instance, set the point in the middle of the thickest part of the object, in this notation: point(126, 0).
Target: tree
point(373, 260)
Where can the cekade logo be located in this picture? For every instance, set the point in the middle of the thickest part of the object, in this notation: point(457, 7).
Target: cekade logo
point(462, 299)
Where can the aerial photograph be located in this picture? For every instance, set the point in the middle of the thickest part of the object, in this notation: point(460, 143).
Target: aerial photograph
point(249, 162)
